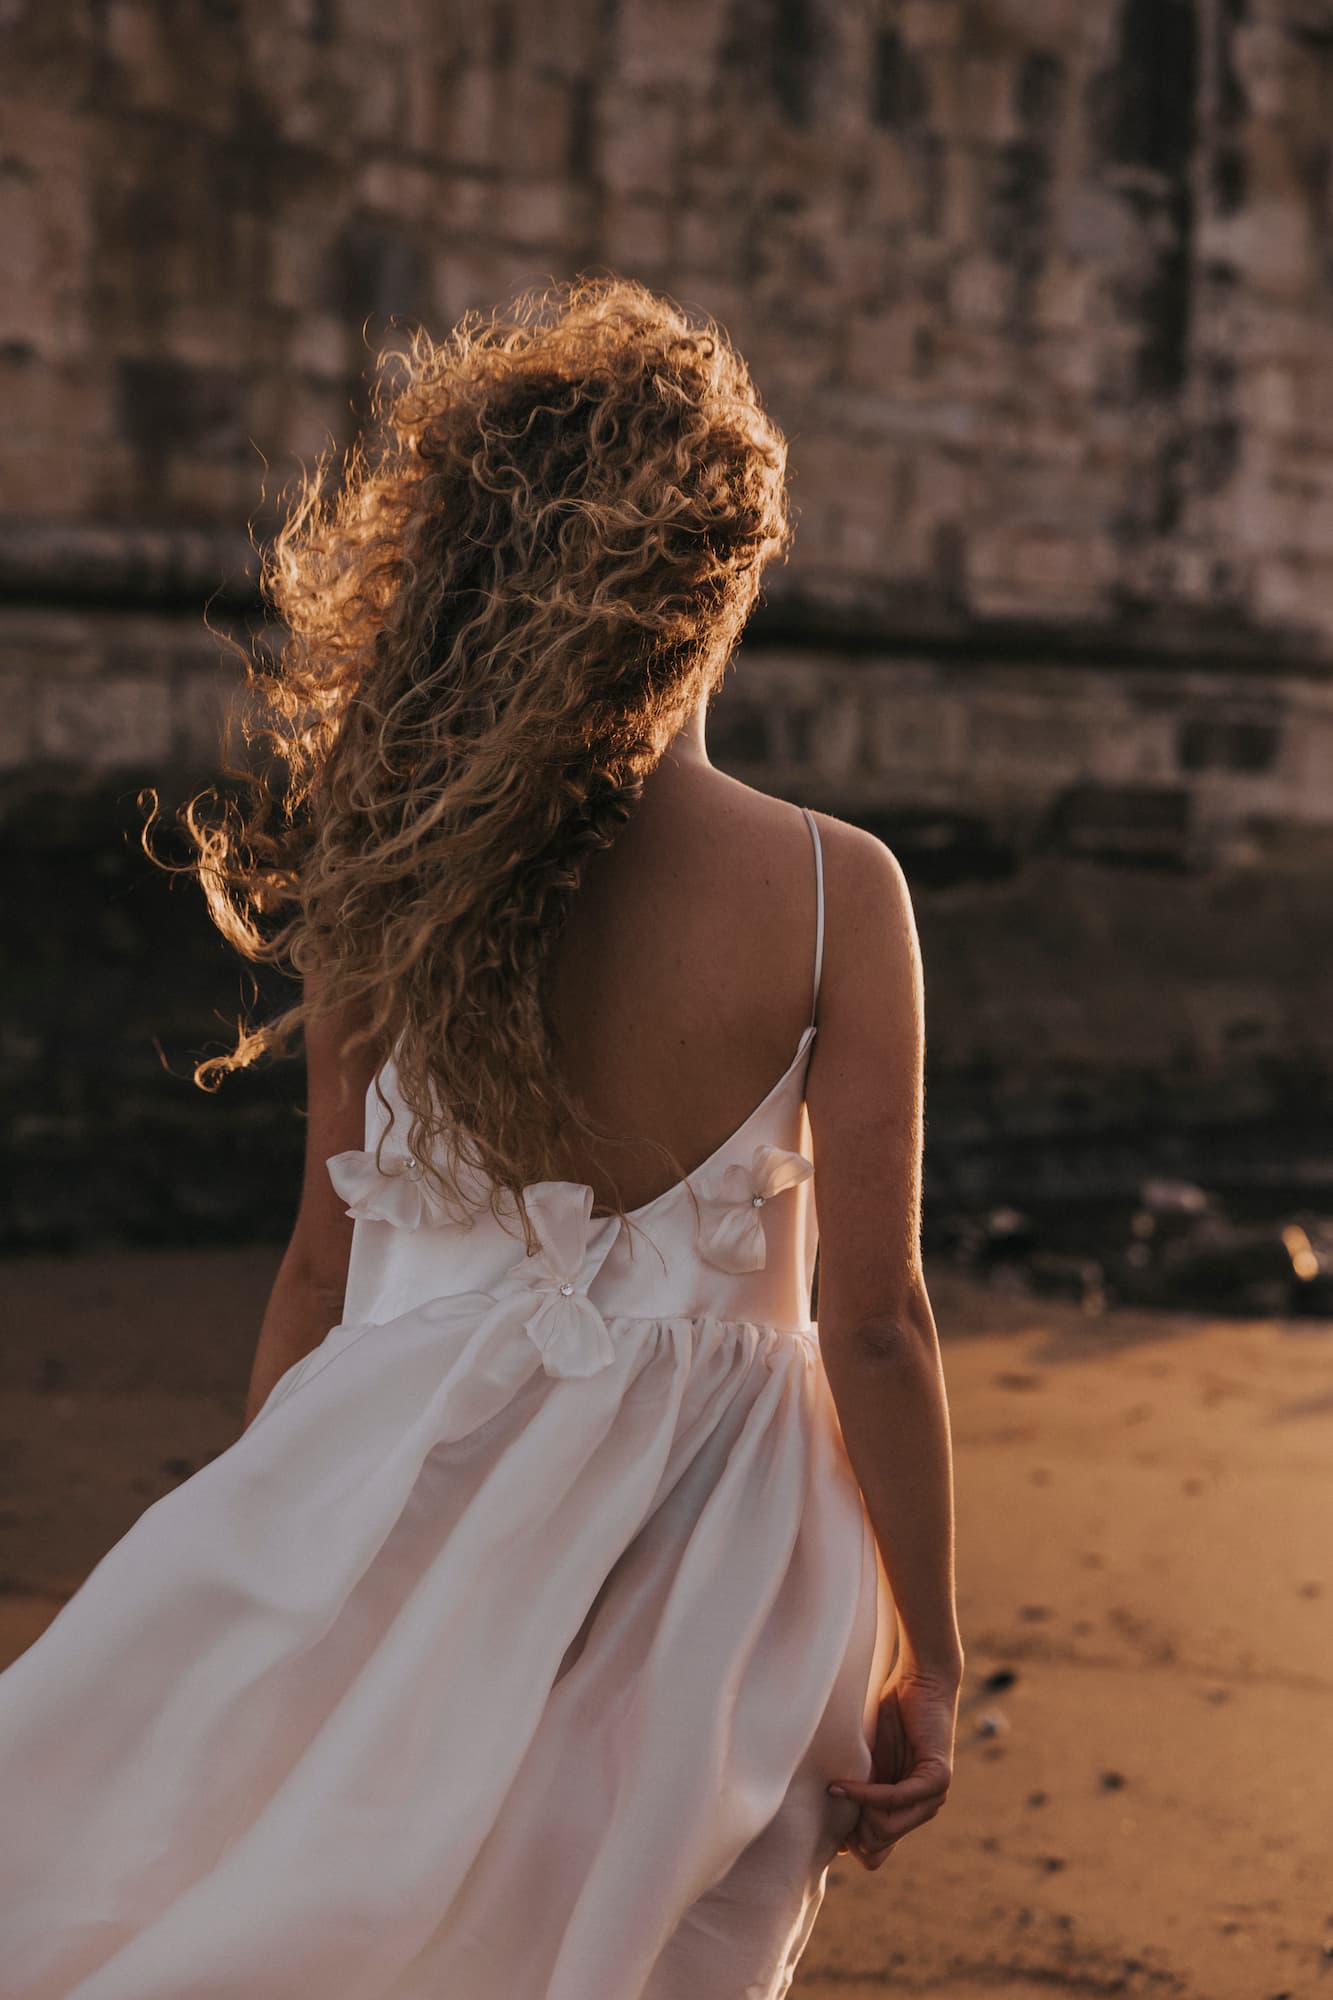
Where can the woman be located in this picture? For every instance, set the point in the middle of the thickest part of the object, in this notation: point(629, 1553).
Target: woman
point(536, 1637)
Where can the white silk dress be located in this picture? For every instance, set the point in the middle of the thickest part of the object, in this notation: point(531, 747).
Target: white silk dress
point(509, 1651)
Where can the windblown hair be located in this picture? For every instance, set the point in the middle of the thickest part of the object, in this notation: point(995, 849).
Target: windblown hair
point(538, 561)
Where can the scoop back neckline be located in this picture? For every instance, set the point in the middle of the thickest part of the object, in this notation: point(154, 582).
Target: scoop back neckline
point(632, 1214)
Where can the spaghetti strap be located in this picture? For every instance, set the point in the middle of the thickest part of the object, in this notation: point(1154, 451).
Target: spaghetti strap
point(819, 909)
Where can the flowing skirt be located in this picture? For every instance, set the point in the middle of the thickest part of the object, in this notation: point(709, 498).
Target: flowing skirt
point(452, 1678)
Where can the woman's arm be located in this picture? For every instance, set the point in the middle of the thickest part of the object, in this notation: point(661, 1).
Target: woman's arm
point(307, 1296)
point(876, 1329)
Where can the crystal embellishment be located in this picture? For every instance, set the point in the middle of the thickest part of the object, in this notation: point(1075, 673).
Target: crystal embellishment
point(559, 1318)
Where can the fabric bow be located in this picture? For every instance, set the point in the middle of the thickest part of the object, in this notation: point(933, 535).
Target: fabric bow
point(731, 1206)
point(564, 1325)
point(396, 1192)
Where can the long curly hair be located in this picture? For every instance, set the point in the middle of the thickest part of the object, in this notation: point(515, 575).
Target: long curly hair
point(534, 564)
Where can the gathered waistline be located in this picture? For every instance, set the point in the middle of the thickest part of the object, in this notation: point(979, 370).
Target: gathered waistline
point(354, 1332)
point(609, 1315)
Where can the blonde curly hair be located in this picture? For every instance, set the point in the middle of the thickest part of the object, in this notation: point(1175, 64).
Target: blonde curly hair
point(495, 625)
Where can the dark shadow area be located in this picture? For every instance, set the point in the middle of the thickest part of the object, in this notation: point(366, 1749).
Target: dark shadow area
point(117, 984)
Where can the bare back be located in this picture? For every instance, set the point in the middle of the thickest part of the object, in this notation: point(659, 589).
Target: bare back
point(684, 978)
point(681, 988)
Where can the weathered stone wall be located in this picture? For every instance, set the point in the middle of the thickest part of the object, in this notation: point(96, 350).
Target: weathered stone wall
point(1040, 291)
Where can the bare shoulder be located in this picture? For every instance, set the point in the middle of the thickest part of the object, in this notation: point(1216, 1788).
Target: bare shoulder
point(870, 922)
point(862, 856)
point(865, 1090)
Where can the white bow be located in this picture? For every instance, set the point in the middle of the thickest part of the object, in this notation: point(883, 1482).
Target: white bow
point(396, 1192)
point(731, 1206)
point(565, 1326)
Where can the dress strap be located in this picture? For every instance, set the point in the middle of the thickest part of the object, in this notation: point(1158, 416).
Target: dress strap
point(819, 908)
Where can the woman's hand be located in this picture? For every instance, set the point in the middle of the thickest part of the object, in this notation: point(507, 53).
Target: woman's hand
point(911, 1762)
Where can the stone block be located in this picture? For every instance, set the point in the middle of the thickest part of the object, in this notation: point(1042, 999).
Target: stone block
point(500, 271)
point(708, 238)
point(322, 347)
point(1312, 525)
point(452, 289)
point(314, 418)
point(987, 99)
point(1307, 758)
point(148, 78)
point(537, 111)
point(1133, 746)
point(1055, 738)
point(198, 489)
point(28, 467)
point(636, 144)
point(535, 213)
point(34, 300)
point(908, 731)
point(33, 640)
point(17, 717)
point(980, 292)
point(656, 45)
point(1057, 564)
point(883, 348)
point(562, 37)
point(1062, 296)
point(1041, 24)
point(949, 200)
point(838, 737)
point(1293, 592)
point(377, 98)
point(406, 24)
point(300, 246)
point(101, 723)
point(1263, 58)
point(1272, 396)
point(470, 131)
point(1271, 242)
point(201, 698)
point(398, 188)
point(888, 191)
point(636, 235)
point(863, 541)
point(932, 24)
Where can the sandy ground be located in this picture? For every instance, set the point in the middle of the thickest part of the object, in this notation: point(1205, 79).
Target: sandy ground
point(1145, 1558)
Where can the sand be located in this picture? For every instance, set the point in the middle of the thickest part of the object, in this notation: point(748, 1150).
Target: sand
point(1145, 1557)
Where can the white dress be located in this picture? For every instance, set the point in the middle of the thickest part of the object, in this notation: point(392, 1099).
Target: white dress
point(509, 1651)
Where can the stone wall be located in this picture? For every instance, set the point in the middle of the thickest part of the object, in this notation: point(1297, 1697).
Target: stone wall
point(1040, 291)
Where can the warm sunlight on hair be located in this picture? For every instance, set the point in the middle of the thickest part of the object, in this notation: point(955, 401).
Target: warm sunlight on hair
point(496, 620)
